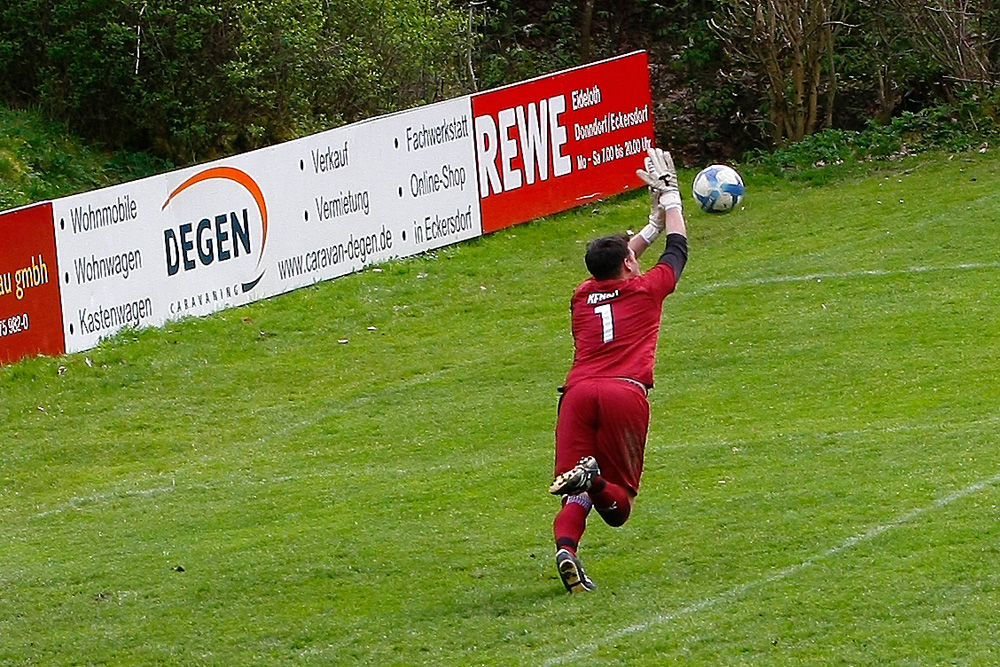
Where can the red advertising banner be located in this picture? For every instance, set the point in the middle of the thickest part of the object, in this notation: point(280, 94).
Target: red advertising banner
point(30, 309)
point(559, 141)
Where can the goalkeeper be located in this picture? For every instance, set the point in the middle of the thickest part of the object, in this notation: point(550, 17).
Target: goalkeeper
point(603, 411)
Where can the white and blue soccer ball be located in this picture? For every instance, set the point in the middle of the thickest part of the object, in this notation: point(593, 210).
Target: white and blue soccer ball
point(718, 189)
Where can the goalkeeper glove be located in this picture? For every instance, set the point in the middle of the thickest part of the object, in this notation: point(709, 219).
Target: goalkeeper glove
point(661, 177)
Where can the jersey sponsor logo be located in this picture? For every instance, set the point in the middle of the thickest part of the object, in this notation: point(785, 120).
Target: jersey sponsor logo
point(600, 297)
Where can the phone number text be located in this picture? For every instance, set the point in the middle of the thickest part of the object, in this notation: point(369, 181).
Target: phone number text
point(13, 325)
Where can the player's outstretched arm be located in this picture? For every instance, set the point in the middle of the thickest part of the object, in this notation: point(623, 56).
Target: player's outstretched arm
point(674, 222)
point(638, 244)
point(675, 253)
point(665, 212)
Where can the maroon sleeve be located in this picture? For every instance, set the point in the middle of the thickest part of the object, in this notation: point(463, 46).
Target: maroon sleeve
point(660, 280)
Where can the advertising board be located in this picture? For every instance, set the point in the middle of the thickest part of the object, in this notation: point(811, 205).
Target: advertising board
point(222, 234)
point(559, 141)
point(226, 233)
point(30, 317)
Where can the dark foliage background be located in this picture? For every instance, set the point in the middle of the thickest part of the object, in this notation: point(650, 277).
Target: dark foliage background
point(189, 80)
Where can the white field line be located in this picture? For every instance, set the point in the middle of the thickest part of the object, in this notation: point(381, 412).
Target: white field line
point(817, 277)
point(784, 573)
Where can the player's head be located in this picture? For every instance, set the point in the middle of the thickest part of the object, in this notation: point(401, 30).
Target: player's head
point(609, 257)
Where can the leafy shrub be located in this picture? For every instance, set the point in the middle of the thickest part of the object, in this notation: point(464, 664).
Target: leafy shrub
point(968, 123)
point(194, 79)
point(519, 41)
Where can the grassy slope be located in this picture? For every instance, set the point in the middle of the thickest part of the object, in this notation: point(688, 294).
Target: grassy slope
point(40, 160)
point(826, 384)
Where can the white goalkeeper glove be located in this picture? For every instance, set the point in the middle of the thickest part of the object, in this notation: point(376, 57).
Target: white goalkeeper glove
point(661, 177)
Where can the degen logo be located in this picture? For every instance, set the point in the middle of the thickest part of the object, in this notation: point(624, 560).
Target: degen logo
point(220, 236)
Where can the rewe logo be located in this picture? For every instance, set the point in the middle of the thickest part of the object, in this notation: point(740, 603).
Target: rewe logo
point(220, 236)
point(532, 135)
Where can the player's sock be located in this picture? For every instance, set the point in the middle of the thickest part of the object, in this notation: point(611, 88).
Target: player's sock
point(612, 502)
point(572, 521)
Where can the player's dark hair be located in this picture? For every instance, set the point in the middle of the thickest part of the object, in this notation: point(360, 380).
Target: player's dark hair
point(605, 256)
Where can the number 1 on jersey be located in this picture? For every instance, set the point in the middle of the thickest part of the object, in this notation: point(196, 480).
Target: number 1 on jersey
point(607, 321)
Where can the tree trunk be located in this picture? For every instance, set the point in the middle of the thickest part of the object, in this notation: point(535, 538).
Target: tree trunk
point(585, 29)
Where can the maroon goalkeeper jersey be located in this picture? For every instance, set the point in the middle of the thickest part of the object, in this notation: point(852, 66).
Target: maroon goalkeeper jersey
point(616, 324)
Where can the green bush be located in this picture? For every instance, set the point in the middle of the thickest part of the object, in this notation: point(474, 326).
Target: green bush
point(518, 41)
point(968, 123)
point(195, 79)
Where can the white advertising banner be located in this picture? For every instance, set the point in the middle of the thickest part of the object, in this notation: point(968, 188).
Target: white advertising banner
point(226, 233)
point(223, 234)
point(393, 186)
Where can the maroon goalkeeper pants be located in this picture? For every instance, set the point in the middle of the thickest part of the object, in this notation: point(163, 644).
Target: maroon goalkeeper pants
point(608, 419)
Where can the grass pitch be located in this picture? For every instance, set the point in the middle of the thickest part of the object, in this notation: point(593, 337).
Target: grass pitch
point(356, 473)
